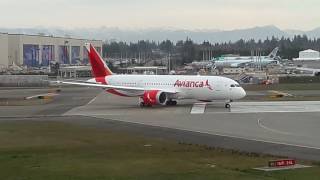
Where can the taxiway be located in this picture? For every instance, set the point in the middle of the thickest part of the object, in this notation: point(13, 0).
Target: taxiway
point(279, 128)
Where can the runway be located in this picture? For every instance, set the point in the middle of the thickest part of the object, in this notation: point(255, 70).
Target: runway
point(293, 123)
point(277, 128)
point(276, 106)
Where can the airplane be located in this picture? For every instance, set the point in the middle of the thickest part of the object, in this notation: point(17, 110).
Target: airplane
point(315, 72)
point(202, 64)
point(160, 89)
point(239, 61)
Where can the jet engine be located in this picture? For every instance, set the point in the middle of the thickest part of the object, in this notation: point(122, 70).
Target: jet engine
point(154, 97)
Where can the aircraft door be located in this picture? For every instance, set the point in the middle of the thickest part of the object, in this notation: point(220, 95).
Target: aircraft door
point(141, 83)
point(218, 87)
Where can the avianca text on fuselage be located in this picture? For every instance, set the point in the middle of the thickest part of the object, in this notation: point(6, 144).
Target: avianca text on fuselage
point(192, 84)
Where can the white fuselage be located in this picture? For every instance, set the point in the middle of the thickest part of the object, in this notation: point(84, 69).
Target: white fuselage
point(237, 62)
point(204, 88)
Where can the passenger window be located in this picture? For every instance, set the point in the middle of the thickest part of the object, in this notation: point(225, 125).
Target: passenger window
point(232, 85)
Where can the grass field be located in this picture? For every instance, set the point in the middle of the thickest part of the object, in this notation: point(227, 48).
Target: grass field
point(58, 151)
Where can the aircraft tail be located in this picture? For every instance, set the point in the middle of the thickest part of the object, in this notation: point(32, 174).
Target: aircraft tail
point(99, 67)
point(274, 53)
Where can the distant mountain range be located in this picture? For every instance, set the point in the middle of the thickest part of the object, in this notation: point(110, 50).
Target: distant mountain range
point(160, 34)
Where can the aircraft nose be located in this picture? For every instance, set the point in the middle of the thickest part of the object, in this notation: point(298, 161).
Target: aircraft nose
point(242, 93)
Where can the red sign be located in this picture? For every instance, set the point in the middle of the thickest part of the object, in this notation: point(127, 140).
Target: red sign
point(282, 163)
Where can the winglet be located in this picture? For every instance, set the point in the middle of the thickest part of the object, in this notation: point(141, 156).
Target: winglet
point(99, 67)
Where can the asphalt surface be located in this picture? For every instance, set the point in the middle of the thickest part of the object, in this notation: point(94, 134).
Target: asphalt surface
point(67, 99)
point(268, 128)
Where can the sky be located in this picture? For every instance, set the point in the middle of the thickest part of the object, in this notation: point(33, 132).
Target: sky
point(142, 14)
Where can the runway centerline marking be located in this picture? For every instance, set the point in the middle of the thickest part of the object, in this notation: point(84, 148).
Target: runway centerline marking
point(271, 129)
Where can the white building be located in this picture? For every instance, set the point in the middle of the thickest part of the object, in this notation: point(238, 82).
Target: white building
point(38, 50)
point(308, 55)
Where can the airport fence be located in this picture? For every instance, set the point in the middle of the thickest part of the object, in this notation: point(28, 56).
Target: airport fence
point(300, 79)
point(24, 81)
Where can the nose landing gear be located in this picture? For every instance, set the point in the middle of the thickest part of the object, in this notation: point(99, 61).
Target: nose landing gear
point(228, 105)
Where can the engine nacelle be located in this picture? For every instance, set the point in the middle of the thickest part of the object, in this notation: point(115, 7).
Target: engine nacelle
point(155, 97)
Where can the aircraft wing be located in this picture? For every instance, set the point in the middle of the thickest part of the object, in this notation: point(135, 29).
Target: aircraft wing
point(315, 72)
point(308, 69)
point(240, 64)
point(89, 84)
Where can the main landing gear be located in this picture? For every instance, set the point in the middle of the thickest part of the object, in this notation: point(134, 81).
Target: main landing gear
point(171, 103)
point(143, 104)
point(168, 103)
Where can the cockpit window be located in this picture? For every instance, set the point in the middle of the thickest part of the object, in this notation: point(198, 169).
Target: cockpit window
point(235, 85)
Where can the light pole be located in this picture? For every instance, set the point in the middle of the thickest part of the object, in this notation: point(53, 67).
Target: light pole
point(66, 46)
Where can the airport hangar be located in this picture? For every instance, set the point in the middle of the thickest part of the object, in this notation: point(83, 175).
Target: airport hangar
point(39, 50)
point(308, 58)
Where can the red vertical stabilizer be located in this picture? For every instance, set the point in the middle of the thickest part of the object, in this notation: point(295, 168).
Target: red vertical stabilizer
point(99, 67)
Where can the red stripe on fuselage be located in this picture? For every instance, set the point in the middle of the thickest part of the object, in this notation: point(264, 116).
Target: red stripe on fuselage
point(112, 91)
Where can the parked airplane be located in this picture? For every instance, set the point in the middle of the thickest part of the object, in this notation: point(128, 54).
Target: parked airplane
point(315, 72)
point(160, 89)
point(238, 61)
point(202, 64)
